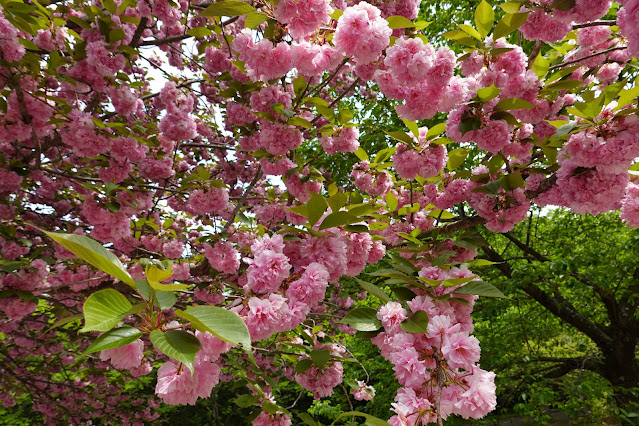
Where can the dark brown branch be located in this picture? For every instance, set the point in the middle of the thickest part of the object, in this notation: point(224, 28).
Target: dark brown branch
point(608, 23)
point(138, 32)
point(574, 61)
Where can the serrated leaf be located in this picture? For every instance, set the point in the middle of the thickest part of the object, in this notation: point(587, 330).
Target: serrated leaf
point(63, 321)
point(470, 31)
point(161, 299)
point(513, 181)
point(320, 357)
point(456, 157)
point(93, 253)
point(362, 319)
point(220, 322)
point(513, 103)
point(563, 4)
point(397, 21)
point(246, 400)
point(114, 339)
point(400, 136)
point(484, 18)
point(592, 108)
point(299, 121)
point(509, 23)
point(303, 365)
point(254, 19)
point(199, 32)
point(511, 6)
point(391, 201)
point(481, 288)
point(370, 420)
point(488, 93)
point(338, 219)
point(469, 124)
point(374, 290)
point(228, 8)
point(316, 207)
point(177, 344)
point(460, 37)
point(435, 131)
point(104, 309)
point(337, 201)
point(417, 323)
point(540, 65)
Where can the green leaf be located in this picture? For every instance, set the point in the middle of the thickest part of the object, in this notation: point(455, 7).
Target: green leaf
point(316, 207)
point(416, 324)
point(361, 154)
point(228, 8)
point(344, 116)
point(167, 287)
point(63, 321)
point(391, 201)
point(435, 131)
point(509, 23)
point(374, 290)
point(199, 32)
point(161, 299)
point(470, 31)
point(93, 253)
point(460, 37)
point(469, 124)
point(338, 219)
point(113, 339)
point(299, 121)
point(246, 400)
point(306, 418)
point(397, 21)
point(303, 366)
point(481, 288)
point(362, 319)
point(370, 420)
point(511, 6)
point(320, 357)
point(413, 127)
point(592, 108)
point(337, 201)
point(400, 136)
point(563, 4)
point(177, 344)
point(513, 103)
point(488, 93)
point(104, 309)
point(220, 322)
point(254, 19)
point(153, 273)
point(540, 65)
point(513, 181)
point(456, 157)
point(484, 18)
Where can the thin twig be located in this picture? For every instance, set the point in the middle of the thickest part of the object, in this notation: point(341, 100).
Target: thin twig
point(574, 61)
point(242, 200)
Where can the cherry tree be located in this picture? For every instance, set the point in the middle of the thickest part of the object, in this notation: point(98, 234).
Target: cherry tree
point(162, 206)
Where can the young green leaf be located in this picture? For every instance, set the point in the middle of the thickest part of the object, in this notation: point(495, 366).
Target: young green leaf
point(320, 357)
point(228, 8)
point(397, 21)
point(338, 219)
point(93, 253)
point(417, 323)
point(220, 322)
point(104, 309)
point(484, 18)
point(481, 288)
point(374, 290)
point(362, 319)
point(177, 344)
point(114, 339)
point(513, 103)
